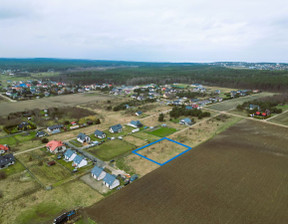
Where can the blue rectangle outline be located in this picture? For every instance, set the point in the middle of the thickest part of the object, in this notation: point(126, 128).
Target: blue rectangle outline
point(159, 140)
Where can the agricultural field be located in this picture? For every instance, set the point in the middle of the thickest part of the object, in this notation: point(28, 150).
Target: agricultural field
point(55, 101)
point(111, 149)
point(239, 176)
point(233, 103)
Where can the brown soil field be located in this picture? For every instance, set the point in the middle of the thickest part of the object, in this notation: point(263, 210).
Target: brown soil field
point(134, 140)
point(239, 176)
point(55, 101)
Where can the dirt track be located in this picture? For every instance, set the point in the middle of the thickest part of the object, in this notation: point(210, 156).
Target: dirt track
point(56, 101)
point(240, 176)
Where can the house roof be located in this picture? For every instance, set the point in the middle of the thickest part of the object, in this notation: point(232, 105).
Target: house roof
point(82, 136)
point(139, 112)
point(186, 120)
point(189, 108)
point(136, 123)
point(97, 171)
point(69, 153)
point(56, 126)
point(78, 159)
point(4, 147)
point(52, 145)
point(116, 127)
point(109, 179)
point(6, 159)
point(99, 133)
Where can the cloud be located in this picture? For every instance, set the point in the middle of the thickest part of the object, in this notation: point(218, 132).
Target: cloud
point(145, 30)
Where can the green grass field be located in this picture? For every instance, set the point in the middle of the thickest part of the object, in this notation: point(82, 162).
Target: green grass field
point(163, 131)
point(111, 149)
point(13, 140)
point(146, 136)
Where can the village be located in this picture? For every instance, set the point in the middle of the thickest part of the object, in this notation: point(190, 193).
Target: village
point(95, 143)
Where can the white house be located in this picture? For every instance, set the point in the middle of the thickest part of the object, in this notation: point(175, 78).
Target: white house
point(98, 173)
point(186, 121)
point(110, 181)
point(83, 138)
point(69, 155)
point(79, 161)
point(135, 124)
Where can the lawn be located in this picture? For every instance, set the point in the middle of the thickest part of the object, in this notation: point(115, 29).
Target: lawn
point(162, 131)
point(145, 136)
point(13, 140)
point(111, 149)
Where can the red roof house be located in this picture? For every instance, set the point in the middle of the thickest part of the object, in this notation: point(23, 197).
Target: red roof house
point(55, 146)
point(257, 113)
point(264, 114)
point(3, 149)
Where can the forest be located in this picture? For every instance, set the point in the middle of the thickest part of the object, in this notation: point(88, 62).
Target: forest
point(134, 73)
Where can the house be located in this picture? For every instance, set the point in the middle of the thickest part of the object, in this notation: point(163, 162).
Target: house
point(99, 134)
point(3, 149)
point(79, 161)
point(55, 146)
point(138, 113)
point(83, 138)
point(55, 128)
point(253, 107)
point(110, 181)
point(116, 128)
point(40, 134)
point(135, 124)
point(23, 126)
point(69, 155)
point(217, 91)
point(186, 121)
point(6, 160)
point(98, 173)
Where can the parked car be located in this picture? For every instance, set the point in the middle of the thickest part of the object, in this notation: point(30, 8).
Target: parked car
point(75, 170)
point(59, 157)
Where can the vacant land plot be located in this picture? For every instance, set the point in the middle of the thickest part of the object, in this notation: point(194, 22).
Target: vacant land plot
point(240, 176)
point(56, 101)
point(230, 104)
point(16, 186)
point(44, 205)
point(162, 131)
point(111, 149)
point(162, 151)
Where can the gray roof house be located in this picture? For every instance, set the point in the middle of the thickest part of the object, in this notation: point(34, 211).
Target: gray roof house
point(6, 160)
point(69, 155)
point(115, 128)
point(83, 138)
point(98, 173)
point(99, 134)
point(55, 128)
point(135, 124)
point(79, 161)
point(111, 181)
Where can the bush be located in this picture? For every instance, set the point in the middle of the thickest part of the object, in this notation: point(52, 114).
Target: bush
point(3, 175)
point(161, 117)
point(45, 140)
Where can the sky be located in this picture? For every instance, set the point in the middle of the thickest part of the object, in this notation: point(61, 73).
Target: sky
point(146, 30)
